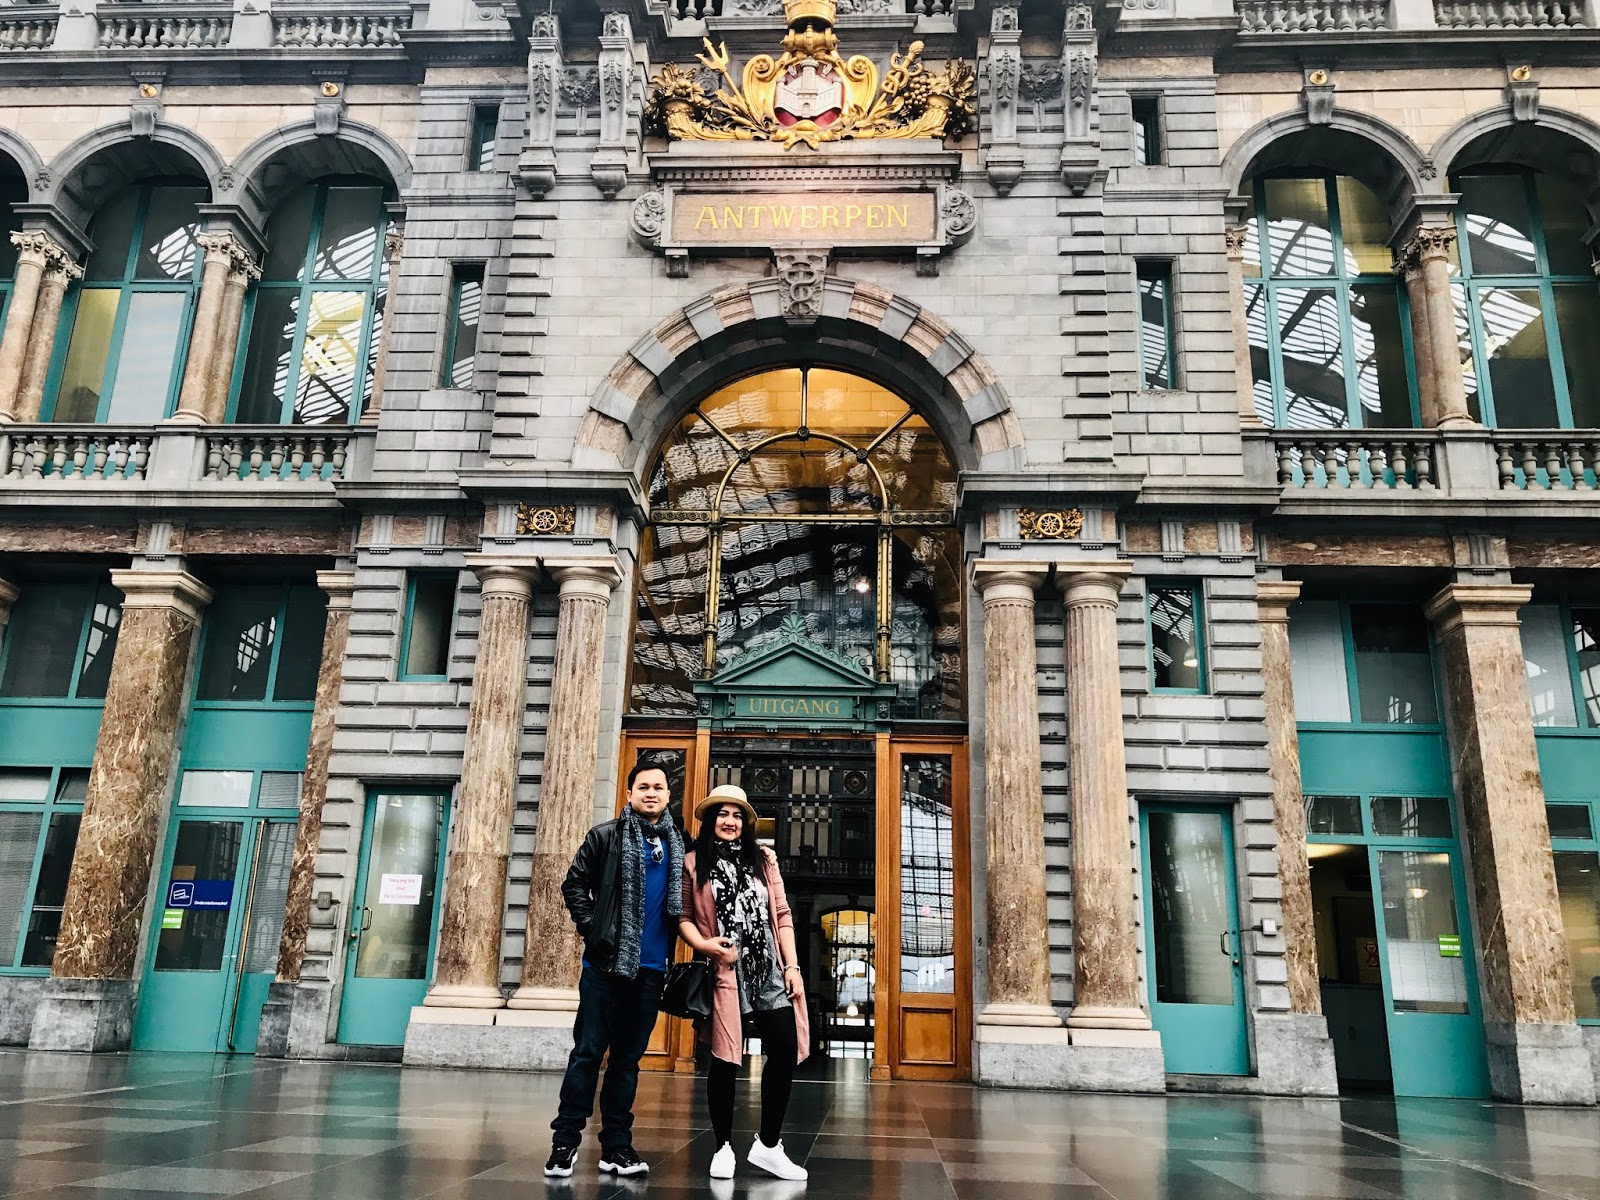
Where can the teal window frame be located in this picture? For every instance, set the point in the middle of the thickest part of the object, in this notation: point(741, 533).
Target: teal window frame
point(1197, 614)
point(461, 274)
point(94, 591)
point(1340, 282)
point(374, 291)
point(1145, 112)
point(48, 808)
point(208, 631)
point(483, 136)
point(412, 579)
point(1353, 685)
point(1163, 375)
point(129, 286)
point(1588, 845)
point(1586, 725)
point(1469, 286)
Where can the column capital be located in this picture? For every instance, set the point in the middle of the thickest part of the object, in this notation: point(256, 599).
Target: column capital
point(219, 245)
point(1273, 598)
point(1479, 604)
point(501, 575)
point(38, 247)
point(1430, 243)
point(1001, 580)
point(1234, 238)
point(1093, 583)
point(340, 586)
point(177, 590)
point(592, 575)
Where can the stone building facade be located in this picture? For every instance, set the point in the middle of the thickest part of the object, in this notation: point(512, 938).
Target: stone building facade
point(1116, 484)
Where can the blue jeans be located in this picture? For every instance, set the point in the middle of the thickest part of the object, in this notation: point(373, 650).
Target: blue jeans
point(615, 1015)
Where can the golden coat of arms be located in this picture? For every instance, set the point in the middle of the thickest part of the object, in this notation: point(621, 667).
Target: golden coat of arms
point(811, 94)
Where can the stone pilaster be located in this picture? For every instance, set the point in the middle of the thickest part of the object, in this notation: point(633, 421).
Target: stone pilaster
point(1293, 1050)
point(195, 402)
point(1243, 372)
point(339, 586)
point(8, 596)
point(1106, 995)
point(550, 960)
point(36, 251)
point(394, 242)
point(58, 275)
point(1536, 1052)
point(467, 967)
point(1427, 257)
point(88, 1002)
point(1018, 926)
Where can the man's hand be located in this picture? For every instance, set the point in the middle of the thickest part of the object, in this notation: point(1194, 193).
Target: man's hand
point(724, 951)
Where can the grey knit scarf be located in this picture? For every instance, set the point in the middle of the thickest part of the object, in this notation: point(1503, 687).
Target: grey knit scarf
point(634, 829)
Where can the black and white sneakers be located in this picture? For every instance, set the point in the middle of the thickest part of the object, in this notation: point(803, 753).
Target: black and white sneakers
point(559, 1164)
point(623, 1161)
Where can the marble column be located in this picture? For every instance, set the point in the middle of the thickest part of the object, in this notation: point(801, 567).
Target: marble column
point(1105, 950)
point(1536, 1053)
point(194, 400)
point(35, 252)
point(1424, 263)
point(551, 958)
point(1018, 926)
point(393, 246)
point(1273, 598)
point(88, 1003)
point(339, 587)
point(58, 275)
point(467, 969)
point(243, 274)
point(1243, 371)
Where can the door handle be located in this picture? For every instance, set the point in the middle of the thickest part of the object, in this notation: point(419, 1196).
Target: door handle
point(360, 921)
point(1226, 949)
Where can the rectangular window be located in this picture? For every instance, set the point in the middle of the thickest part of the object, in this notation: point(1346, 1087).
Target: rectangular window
point(485, 128)
point(1147, 130)
point(1577, 861)
point(60, 642)
point(1385, 647)
point(1155, 325)
point(263, 643)
point(1176, 642)
point(430, 607)
point(461, 332)
point(38, 833)
point(1316, 654)
point(1561, 653)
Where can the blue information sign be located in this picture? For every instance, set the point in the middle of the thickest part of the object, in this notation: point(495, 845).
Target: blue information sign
point(180, 893)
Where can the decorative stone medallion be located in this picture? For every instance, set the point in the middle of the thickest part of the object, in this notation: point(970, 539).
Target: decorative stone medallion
point(1049, 525)
point(549, 521)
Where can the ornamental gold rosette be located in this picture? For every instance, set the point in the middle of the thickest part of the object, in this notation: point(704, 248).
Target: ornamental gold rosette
point(810, 94)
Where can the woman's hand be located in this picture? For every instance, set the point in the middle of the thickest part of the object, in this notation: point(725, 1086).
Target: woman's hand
point(723, 950)
point(793, 985)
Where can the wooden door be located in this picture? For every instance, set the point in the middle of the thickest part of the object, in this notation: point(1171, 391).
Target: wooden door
point(924, 911)
point(682, 755)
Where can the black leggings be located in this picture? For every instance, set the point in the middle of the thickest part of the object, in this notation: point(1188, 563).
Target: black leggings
point(781, 1048)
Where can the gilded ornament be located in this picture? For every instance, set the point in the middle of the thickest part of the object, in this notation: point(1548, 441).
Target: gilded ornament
point(1049, 526)
point(811, 94)
point(547, 521)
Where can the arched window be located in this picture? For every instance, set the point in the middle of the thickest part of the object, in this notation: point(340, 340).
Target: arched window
point(129, 316)
point(317, 314)
point(803, 494)
point(1528, 298)
point(1329, 339)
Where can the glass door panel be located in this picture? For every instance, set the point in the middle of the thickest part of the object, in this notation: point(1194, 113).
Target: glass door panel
point(263, 926)
point(391, 930)
point(1193, 940)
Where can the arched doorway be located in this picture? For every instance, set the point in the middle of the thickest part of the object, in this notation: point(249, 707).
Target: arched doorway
point(799, 632)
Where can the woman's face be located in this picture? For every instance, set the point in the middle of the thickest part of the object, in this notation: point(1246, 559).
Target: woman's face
point(728, 824)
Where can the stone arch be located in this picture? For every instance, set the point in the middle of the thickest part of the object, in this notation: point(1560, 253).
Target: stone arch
point(1350, 143)
point(740, 329)
point(89, 171)
point(23, 157)
point(1558, 142)
point(292, 154)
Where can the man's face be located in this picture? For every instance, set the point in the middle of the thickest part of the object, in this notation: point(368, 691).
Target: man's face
point(649, 795)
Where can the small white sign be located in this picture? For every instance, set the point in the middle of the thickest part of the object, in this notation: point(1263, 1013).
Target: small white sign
point(400, 889)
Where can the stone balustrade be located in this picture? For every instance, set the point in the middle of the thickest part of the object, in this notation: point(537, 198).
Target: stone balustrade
point(180, 456)
point(27, 33)
point(179, 30)
point(1509, 14)
point(1311, 16)
point(276, 454)
point(82, 453)
point(332, 31)
point(1547, 460)
point(1355, 459)
point(208, 25)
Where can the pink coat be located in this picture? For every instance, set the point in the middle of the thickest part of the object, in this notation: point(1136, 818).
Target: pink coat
point(725, 1030)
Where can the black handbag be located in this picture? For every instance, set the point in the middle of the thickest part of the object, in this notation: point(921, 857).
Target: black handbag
point(688, 989)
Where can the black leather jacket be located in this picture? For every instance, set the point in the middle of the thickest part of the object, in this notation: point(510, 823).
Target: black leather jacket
point(593, 896)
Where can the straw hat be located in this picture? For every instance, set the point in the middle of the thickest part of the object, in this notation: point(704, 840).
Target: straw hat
point(726, 793)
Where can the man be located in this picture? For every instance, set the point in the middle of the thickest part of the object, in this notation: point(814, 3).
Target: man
point(625, 893)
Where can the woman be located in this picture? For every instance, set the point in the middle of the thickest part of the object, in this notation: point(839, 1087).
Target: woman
point(735, 913)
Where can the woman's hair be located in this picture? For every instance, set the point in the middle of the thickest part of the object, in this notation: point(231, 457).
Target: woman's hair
point(705, 845)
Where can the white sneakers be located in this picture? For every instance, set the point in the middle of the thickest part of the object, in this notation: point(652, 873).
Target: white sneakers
point(722, 1162)
point(774, 1161)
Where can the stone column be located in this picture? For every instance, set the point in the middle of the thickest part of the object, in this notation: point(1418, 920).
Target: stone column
point(467, 968)
point(35, 251)
point(394, 242)
point(194, 400)
point(1018, 926)
point(1105, 950)
point(1243, 371)
point(42, 339)
point(8, 596)
point(244, 273)
point(339, 586)
point(550, 961)
point(1536, 1052)
point(88, 1003)
point(1424, 263)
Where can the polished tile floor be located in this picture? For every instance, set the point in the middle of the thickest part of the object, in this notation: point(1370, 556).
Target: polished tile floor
point(147, 1126)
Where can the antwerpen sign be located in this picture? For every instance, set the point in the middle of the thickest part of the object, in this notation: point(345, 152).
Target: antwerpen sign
point(729, 219)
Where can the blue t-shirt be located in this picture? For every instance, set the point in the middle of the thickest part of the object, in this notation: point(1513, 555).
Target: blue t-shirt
point(655, 940)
